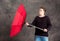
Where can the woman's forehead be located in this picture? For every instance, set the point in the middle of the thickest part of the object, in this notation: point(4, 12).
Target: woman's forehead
point(40, 9)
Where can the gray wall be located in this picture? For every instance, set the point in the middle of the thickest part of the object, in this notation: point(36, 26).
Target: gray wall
point(7, 12)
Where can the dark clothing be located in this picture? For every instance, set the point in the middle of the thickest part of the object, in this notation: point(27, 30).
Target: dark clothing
point(41, 22)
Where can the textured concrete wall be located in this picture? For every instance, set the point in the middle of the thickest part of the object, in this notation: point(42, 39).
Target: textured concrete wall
point(7, 12)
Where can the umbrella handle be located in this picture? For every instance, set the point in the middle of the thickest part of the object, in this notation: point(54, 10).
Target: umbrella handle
point(36, 27)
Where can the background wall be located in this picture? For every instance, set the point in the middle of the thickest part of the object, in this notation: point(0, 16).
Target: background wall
point(7, 12)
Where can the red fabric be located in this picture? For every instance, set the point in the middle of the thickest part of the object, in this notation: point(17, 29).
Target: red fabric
point(18, 21)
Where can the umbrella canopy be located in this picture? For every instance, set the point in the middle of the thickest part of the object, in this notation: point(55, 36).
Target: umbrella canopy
point(18, 21)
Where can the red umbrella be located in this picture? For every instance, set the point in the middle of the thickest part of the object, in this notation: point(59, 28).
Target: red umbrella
point(18, 21)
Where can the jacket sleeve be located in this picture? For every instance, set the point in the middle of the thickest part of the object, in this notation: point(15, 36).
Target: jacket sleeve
point(33, 23)
point(49, 25)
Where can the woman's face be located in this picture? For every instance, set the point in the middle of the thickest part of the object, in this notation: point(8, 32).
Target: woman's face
point(41, 12)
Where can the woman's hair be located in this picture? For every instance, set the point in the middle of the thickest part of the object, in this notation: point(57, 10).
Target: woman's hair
point(43, 8)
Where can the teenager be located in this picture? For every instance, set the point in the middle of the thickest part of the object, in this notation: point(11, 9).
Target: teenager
point(41, 21)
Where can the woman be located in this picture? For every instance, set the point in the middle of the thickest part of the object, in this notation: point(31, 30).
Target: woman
point(41, 21)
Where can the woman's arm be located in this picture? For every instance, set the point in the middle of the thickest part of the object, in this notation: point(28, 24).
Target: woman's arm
point(49, 23)
point(33, 23)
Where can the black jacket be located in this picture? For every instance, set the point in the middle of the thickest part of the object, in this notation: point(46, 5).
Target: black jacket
point(41, 22)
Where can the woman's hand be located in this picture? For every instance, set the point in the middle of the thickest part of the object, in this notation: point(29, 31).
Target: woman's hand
point(27, 23)
point(45, 30)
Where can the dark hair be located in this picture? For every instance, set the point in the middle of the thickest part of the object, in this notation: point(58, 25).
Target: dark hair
point(43, 8)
